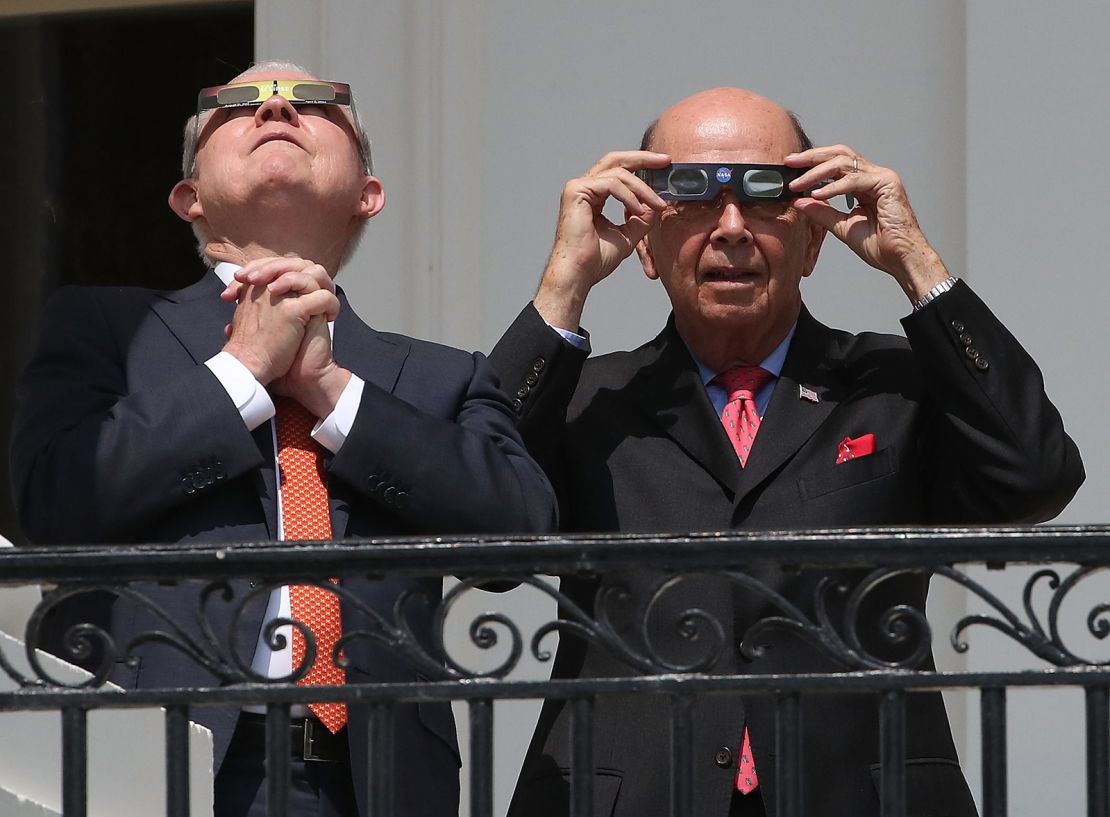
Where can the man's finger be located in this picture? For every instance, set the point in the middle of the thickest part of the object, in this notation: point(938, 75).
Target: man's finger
point(300, 282)
point(629, 159)
point(824, 215)
point(318, 302)
point(636, 199)
point(264, 270)
point(636, 227)
point(232, 291)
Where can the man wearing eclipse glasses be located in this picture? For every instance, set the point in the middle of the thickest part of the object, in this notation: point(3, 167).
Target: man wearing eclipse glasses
point(142, 420)
point(747, 413)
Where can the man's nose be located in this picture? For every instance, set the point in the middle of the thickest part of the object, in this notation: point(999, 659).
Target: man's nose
point(732, 226)
point(276, 107)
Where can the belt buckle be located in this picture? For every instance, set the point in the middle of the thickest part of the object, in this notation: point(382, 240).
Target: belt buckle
point(311, 736)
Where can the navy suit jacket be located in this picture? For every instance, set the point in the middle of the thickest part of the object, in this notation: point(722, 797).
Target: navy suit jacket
point(964, 434)
point(123, 435)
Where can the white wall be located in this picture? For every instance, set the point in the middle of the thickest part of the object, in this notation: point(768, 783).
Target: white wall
point(481, 109)
point(1038, 112)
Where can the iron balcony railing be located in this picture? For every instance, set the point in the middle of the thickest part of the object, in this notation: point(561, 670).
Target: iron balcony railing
point(1067, 556)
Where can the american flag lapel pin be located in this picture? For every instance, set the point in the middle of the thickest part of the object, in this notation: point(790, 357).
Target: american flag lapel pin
point(805, 393)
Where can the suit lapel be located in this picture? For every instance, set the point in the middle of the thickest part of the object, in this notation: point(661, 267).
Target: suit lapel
point(265, 478)
point(377, 359)
point(791, 418)
point(669, 390)
point(374, 357)
point(196, 317)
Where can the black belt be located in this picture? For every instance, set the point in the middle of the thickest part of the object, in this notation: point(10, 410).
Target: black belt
point(310, 739)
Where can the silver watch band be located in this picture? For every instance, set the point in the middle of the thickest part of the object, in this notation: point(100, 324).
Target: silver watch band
point(935, 292)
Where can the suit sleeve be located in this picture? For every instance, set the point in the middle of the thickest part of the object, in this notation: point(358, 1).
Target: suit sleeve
point(540, 371)
point(449, 458)
point(95, 455)
point(997, 447)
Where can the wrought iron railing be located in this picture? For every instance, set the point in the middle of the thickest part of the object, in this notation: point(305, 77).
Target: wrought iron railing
point(830, 621)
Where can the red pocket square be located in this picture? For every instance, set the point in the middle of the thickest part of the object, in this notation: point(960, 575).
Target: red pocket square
point(850, 448)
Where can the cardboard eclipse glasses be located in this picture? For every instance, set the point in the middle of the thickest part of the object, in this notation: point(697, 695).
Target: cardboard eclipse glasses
point(703, 181)
point(295, 91)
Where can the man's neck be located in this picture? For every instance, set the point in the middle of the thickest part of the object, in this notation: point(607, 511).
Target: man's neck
point(328, 256)
point(315, 233)
point(723, 350)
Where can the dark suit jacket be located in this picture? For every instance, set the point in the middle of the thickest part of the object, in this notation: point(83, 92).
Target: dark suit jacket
point(124, 436)
point(964, 434)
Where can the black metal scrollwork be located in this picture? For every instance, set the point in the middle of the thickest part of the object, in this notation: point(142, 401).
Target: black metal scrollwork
point(835, 627)
point(1046, 645)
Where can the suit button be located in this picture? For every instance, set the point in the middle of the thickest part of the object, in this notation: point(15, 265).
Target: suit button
point(965, 339)
point(538, 364)
point(958, 325)
point(517, 406)
point(532, 379)
point(723, 758)
point(522, 392)
point(971, 352)
point(981, 364)
point(390, 492)
point(187, 485)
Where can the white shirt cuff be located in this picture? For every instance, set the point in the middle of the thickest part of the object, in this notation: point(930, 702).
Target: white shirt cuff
point(249, 396)
point(573, 338)
point(332, 431)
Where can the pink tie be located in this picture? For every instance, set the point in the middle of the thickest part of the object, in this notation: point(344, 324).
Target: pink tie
point(305, 515)
point(740, 418)
point(741, 422)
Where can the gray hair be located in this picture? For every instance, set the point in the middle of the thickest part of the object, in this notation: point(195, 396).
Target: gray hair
point(195, 124)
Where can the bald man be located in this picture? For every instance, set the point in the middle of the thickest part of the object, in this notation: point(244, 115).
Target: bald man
point(746, 413)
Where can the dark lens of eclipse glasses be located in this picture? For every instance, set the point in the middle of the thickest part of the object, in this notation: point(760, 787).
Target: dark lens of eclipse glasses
point(237, 95)
point(687, 181)
point(316, 92)
point(763, 184)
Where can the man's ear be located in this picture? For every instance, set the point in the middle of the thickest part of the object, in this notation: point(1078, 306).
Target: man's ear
point(184, 201)
point(647, 260)
point(817, 235)
point(371, 200)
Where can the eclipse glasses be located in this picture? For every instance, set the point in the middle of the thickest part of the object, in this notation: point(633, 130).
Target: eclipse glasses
point(703, 181)
point(295, 91)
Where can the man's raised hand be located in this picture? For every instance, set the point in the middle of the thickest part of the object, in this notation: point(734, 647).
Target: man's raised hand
point(588, 245)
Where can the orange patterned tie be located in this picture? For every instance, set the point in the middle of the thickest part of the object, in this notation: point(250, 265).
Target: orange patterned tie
point(305, 515)
point(741, 421)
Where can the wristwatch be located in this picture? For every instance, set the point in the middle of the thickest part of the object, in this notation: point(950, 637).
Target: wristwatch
point(935, 292)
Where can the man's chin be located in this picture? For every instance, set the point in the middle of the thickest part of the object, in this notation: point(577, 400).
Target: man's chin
point(732, 303)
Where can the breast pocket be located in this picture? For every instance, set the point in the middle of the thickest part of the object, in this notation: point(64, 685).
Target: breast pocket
point(848, 474)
